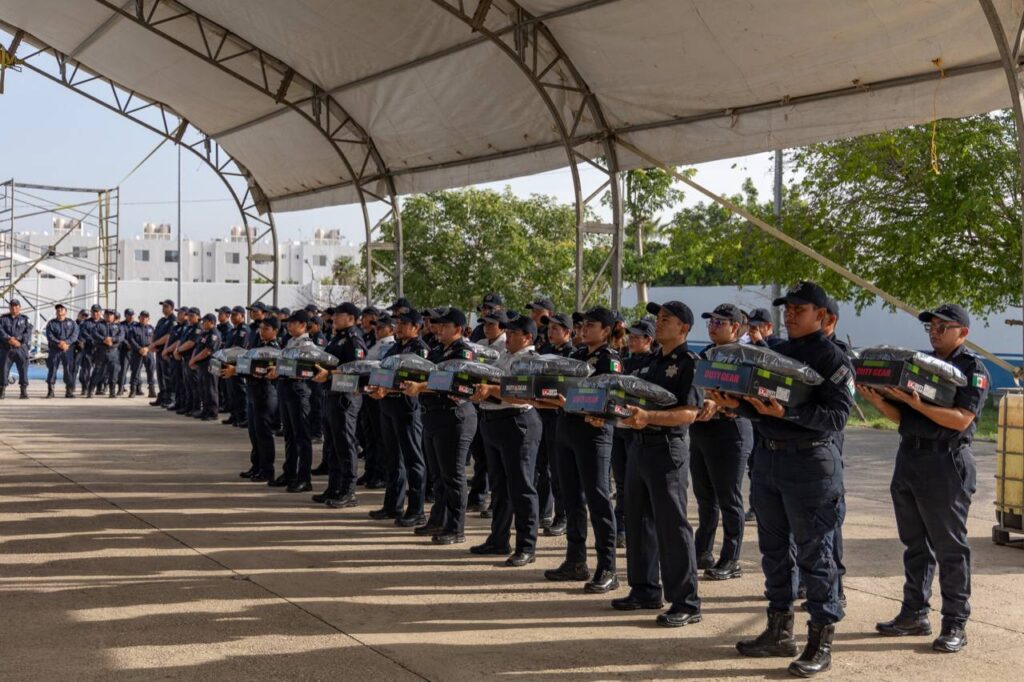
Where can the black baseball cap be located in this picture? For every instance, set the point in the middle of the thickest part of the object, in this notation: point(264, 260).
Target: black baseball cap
point(286, 311)
point(577, 317)
point(804, 292)
point(259, 305)
point(541, 303)
point(499, 317)
point(411, 316)
point(600, 314)
point(431, 313)
point(108, 311)
point(832, 307)
point(238, 309)
point(676, 308)
point(299, 316)
point(270, 321)
point(400, 303)
point(209, 317)
point(950, 312)
point(348, 308)
point(759, 316)
point(194, 311)
point(385, 320)
point(491, 300)
point(14, 301)
point(642, 327)
point(128, 311)
point(726, 311)
point(370, 310)
point(311, 309)
point(316, 319)
point(96, 308)
point(453, 315)
point(224, 309)
point(60, 305)
point(167, 302)
point(563, 319)
point(522, 323)
point(144, 313)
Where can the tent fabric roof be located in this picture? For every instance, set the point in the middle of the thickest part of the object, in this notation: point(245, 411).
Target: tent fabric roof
point(687, 80)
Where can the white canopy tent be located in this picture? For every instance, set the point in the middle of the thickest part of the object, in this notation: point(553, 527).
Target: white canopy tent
point(322, 102)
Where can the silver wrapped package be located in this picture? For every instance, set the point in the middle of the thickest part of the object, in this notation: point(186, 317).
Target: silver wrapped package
point(550, 365)
point(632, 386)
point(256, 361)
point(407, 361)
point(929, 362)
point(484, 353)
point(359, 366)
point(475, 369)
point(310, 353)
point(744, 354)
point(229, 356)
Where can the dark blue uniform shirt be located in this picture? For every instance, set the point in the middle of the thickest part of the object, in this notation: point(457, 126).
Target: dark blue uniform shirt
point(970, 397)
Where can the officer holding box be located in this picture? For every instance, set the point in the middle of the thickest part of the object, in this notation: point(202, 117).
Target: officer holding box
point(933, 482)
point(797, 486)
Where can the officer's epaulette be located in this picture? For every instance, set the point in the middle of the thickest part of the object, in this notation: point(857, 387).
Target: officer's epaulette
point(693, 356)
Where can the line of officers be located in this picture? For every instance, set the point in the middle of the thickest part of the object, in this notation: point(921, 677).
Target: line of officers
point(531, 467)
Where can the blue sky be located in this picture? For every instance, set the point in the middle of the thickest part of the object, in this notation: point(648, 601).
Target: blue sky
point(50, 135)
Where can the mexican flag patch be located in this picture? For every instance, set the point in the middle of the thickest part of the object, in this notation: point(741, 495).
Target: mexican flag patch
point(615, 366)
point(979, 381)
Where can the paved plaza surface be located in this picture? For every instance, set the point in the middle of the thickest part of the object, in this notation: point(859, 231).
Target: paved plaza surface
point(130, 549)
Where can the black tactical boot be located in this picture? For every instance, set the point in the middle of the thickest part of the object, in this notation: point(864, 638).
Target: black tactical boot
point(776, 640)
point(49, 390)
point(69, 393)
point(817, 655)
point(152, 392)
point(112, 393)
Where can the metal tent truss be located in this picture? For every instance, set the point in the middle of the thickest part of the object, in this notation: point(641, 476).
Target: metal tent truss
point(358, 157)
point(257, 218)
point(526, 40)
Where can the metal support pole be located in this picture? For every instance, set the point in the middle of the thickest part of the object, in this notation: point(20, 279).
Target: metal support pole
point(179, 225)
point(777, 213)
point(618, 238)
point(1007, 56)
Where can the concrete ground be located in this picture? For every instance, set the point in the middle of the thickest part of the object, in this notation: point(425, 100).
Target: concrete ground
point(130, 549)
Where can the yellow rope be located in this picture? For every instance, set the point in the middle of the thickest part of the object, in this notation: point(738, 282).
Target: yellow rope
point(935, 113)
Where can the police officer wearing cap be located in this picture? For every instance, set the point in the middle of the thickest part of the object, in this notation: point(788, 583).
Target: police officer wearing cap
point(761, 327)
point(341, 412)
point(238, 337)
point(541, 308)
point(123, 351)
point(261, 407)
point(61, 335)
point(720, 443)
point(224, 328)
point(161, 336)
point(294, 398)
point(402, 428)
point(639, 341)
point(207, 343)
point(584, 464)
point(139, 340)
point(492, 326)
point(549, 491)
point(932, 484)
point(797, 487)
point(491, 303)
point(659, 540)
point(188, 384)
point(173, 378)
point(15, 342)
point(85, 340)
point(374, 472)
point(317, 389)
point(511, 433)
point(449, 424)
point(106, 337)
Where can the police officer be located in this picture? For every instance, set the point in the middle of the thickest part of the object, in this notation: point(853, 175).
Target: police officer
point(317, 389)
point(511, 432)
point(341, 411)
point(449, 425)
point(719, 447)
point(76, 357)
point(797, 486)
point(15, 342)
point(85, 340)
point(584, 464)
point(207, 343)
point(238, 338)
point(224, 328)
point(549, 491)
point(540, 308)
point(173, 379)
point(188, 400)
point(492, 327)
point(141, 356)
point(402, 428)
point(123, 351)
point(261, 407)
point(161, 335)
point(761, 327)
point(374, 472)
point(932, 484)
point(61, 336)
point(491, 303)
point(658, 536)
point(106, 338)
point(294, 396)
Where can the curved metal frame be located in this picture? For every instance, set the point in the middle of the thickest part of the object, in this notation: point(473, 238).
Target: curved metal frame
point(225, 50)
point(160, 119)
point(1009, 55)
point(528, 42)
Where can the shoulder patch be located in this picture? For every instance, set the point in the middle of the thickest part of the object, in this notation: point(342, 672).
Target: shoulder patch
point(840, 375)
point(979, 380)
point(422, 352)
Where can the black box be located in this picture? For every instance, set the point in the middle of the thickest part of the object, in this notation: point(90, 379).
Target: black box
point(349, 383)
point(537, 387)
point(605, 403)
point(257, 367)
point(215, 366)
point(905, 375)
point(296, 368)
point(750, 380)
point(461, 384)
point(392, 379)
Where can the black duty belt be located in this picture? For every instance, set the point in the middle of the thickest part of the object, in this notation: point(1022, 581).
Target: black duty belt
point(657, 434)
point(505, 413)
point(932, 444)
point(780, 445)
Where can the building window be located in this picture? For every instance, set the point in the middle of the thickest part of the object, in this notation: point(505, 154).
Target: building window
point(142, 255)
point(209, 253)
point(170, 279)
point(321, 261)
point(79, 252)
point(231, 281)
point(231, 257)
point(46, 276)
point(170, 257)
point(145, 279)
point(80, 277)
